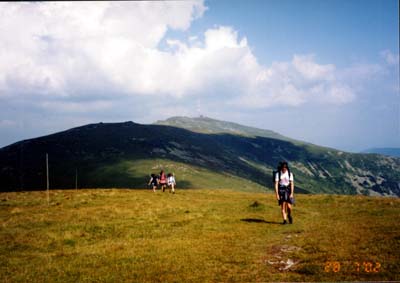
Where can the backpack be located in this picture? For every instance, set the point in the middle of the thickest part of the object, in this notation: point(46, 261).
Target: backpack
point(274, 175)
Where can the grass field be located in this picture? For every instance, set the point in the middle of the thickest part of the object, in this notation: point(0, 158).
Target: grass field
point(195, 236)
point(190, 176)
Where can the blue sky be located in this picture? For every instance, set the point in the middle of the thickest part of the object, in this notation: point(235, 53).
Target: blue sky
point(325, 72)
point(338, 31)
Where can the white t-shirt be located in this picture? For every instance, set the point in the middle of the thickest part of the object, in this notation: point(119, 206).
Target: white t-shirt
point(171, 180)
point(285, 180)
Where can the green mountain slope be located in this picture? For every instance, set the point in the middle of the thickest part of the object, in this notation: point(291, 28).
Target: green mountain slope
point(124, 154)
point(319, 166)
point(211, 126)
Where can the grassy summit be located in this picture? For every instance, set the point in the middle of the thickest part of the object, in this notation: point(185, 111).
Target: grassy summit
point(116, 235)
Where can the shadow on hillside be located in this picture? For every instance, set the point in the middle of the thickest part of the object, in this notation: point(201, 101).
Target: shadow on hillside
point(184, 184)
point(256, 220)
point(300, 190)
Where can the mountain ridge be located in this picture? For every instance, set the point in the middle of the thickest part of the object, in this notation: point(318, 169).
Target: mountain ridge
point(204, 124)
point(114, 154)
point(389, 151)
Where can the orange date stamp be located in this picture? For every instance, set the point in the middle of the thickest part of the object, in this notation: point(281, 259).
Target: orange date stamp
point(360, 267)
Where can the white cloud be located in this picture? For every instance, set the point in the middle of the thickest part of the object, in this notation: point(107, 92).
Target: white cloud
point(221, 38)
point(70, 50)
point(296, 82)
point(306, 66)
point(340, 94)
point(390, 58)
point(51, 47)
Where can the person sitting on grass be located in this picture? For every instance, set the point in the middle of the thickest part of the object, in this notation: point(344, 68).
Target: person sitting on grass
point(162, 180)
point(171, 182)
point(284, 189)
point(153, 182)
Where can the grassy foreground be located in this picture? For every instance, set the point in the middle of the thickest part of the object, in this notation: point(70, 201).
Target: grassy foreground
point(195, 236)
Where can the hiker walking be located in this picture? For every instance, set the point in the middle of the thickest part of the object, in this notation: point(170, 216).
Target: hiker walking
point(153, 182)
point(284, 189)
point(171, 182)
point(162, 180)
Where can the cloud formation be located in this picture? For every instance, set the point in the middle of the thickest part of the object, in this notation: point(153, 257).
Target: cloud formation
point(61, 48)
point(87, 51)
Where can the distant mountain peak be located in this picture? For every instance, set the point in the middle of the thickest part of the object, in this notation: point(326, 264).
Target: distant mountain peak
point(204, 124)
